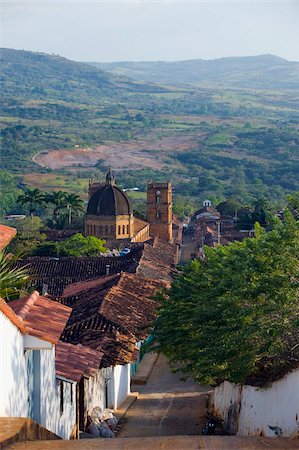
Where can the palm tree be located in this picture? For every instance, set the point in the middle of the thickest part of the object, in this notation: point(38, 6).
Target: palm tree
point(12, 280)
point(72, 204)
point(57, 199)
point(33, 198)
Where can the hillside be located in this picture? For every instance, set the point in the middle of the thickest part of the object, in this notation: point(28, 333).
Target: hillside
point(64, 122)
point(33, 75)
point(254, 72)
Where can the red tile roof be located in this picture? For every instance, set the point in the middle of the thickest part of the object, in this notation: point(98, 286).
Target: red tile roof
point(74, 361)
point(12, 316)
point(78, 288)
point(112, 315)
point(139, 225)
point(6, 235)
point(44, 318)
point(57, 273)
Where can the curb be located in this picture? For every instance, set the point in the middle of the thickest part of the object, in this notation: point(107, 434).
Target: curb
point(145, 368)
point(131, 398)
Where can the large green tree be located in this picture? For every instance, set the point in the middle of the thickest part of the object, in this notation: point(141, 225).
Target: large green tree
point(235, 314)
point(76, 246)
point(34, 198)
point(70, 205)
point(29, 236)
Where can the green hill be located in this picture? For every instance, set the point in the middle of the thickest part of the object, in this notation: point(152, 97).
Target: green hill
point(33, 75)
point(254, 72)
point(63, 122)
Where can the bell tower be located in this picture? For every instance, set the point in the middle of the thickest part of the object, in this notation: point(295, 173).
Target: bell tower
point(159, 210)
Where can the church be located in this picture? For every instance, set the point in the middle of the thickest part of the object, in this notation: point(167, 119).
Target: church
point(110, 215)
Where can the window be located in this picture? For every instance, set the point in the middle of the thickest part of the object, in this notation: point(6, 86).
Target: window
point(106, 230)
point(158, 199)
point(61, 397)
point(119, 232)
point(158, 215)
point(124, 229)
point(101, 230)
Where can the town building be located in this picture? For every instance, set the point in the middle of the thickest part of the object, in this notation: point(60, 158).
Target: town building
point(110, 216)
point(159, 210)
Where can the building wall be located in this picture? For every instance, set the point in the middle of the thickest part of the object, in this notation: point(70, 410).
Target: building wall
point(159, 210)
point(95, 390)
point(121, 384)
point(142, 236)
point(51, 417)
point(13, 371)
point(110, 227)
point(251, 411)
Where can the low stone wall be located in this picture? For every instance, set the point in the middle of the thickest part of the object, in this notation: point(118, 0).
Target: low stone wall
point(271, 410)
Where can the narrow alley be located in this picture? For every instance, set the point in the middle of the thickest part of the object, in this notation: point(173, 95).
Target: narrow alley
point(166, 406)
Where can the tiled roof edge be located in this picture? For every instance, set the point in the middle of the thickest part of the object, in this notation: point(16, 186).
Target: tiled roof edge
point(27, 305)
point(12, 316)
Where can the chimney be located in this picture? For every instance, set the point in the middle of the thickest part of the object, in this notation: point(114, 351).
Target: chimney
point(44, 289)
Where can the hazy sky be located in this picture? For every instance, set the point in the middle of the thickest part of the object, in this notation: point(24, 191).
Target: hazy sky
point(152, 30)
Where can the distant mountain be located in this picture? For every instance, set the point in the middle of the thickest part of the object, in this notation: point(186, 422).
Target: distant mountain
point(31, 75)
point(257, 72)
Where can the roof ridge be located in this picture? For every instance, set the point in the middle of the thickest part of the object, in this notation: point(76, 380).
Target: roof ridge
point(12, 316)
point(29, 302)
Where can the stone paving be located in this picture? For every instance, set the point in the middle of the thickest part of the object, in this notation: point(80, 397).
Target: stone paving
point(166, 406)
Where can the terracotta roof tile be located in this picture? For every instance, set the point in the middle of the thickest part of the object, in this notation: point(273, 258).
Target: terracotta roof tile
point(57, 273)
point(12, 316)
point(78, 288)
point(6, 235)
point(112, 316)
point(74, 361)
point(139, 225)
point(44, 318)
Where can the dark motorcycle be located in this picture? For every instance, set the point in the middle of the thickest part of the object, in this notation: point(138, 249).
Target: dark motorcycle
point(210, 428)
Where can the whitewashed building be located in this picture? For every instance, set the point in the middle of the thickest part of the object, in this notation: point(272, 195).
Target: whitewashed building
point(271, 410)
point(29, 330)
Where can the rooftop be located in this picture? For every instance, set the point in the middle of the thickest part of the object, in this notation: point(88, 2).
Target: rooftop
point(74, 361)
point(6, 235)
point(44, 318)
point(57, 273)
point(12, 316)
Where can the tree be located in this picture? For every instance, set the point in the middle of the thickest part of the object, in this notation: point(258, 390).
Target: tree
point(28, 237)
point(12, 280)
point(57, 199)
point(78, 245)
point(235, 315)
point(72, 204)
point(228, 208)
point(260, 211)
point(33, 198)
point(293, 203)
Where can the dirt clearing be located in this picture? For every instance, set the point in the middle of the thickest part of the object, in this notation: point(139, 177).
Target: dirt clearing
point(137, 154)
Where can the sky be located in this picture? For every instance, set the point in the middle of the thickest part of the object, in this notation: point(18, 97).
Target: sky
point(142, 30)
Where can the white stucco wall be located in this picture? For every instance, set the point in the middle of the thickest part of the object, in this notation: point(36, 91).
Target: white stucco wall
point(258, 409)
point(51, 418)
point(121, 384)
point(94, 389)
point(18, 392)
point(13, 374)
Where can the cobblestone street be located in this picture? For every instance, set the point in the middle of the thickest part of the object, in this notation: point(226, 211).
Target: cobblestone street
point(166, 406)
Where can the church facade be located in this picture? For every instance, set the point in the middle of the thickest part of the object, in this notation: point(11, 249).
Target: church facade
point(110, 216)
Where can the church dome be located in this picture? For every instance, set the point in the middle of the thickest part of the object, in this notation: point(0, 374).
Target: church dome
point(109, 200)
